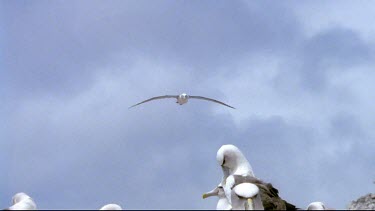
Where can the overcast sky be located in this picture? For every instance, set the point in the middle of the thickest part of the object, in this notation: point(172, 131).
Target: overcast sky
point(300, 73)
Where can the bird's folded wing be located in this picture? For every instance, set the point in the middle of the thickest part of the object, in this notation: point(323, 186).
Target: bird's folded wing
point(155, 98)
point(212, 100)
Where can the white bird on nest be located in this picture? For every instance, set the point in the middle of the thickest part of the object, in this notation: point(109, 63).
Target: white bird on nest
point(238, 180)
point(111, 207)
point(241, 195)
point(316, 206)
point(21, 201)
point(182, 99)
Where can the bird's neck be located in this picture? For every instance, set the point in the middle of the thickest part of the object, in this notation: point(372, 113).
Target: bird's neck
point(243, 169)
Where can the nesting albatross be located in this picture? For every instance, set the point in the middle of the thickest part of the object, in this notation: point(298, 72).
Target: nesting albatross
point(21, 201)
point(316, 206)
point(236, 171)
point(182, 99)
point(111, 207)
point(268, 194)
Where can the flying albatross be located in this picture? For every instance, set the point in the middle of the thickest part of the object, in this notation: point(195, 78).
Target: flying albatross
point(237, 170)
point(21, 201)
point(182, 99)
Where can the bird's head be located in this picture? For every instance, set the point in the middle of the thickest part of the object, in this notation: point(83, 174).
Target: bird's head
point(111, 207)
point(218, 191)
point(19, 197)
point(231, 158)
point(316, 206)
point(184, 96)
point(227, 156)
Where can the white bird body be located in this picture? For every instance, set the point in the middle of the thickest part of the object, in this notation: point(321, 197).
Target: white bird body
point(245, 196)
point(316, 206)
point(111, 207)
point(237, 171)
point(182, 99)
point(22, 201)
point(233, 162)
point(223, 203)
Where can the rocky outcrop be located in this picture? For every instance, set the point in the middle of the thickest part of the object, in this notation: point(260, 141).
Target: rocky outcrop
point(366, 202)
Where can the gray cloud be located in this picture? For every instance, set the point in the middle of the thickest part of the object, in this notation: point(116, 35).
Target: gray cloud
point(346, 126)
point(124, 159)
point(56, 45)
point(72, 70)
point(175, 147)
point(324, 56)
point(337, 49)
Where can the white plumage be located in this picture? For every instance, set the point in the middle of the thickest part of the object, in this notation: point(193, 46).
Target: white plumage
point(242, 189)
point(111, 207)
point(245, 196)
point(316, 206)
point(21, 201)
point(246, 190)
point(233, 162)
point(231, 158)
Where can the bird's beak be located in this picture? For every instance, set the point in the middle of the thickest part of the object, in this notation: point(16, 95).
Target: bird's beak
point(250, 203)
point(214, 192)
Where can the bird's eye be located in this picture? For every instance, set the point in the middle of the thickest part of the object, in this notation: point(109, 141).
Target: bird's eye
point(223, 162)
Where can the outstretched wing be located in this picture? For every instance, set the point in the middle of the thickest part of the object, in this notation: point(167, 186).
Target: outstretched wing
point(155, 98)
point(212, 100)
